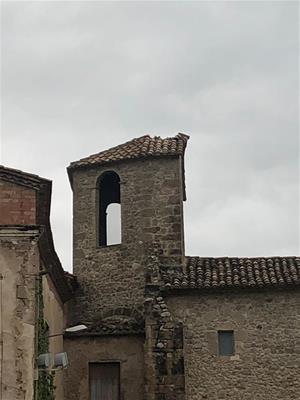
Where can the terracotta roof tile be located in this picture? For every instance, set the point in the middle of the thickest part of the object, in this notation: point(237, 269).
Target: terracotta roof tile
point(144, 146)
point(216, 273)
point(22, 178)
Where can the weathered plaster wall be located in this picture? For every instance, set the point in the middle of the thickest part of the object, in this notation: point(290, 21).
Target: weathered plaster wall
point(54, 315)
point(17, 204)
point(126, 350)
point(19, 264)
point(19, 279)
point(151, 206)
point(267, 334)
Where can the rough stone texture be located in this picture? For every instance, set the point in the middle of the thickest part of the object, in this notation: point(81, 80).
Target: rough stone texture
point(147, 286)
point(267, 337)
point(164, 361)
point(164, 375)
point(17, 204)
point(54, 315)
point(151, 206)
point(118, 321)
point(126, 350)
point(19, 262)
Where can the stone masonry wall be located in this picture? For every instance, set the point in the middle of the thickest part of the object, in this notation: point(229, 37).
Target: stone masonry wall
point(151, 207)
point(17, 204)
point(19, 264)
point(164, 358)
point(164, 379)
point(54, 315)
point(266, 364)
point(128, 351)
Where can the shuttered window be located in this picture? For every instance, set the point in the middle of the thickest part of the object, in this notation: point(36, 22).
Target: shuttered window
point(104, 381)
point(226, 343)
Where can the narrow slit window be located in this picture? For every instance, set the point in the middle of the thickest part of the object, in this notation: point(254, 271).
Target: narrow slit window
point(226, 343)
point(104, 381)
point(109, 221)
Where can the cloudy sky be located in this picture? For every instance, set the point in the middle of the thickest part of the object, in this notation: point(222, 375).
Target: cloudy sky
point(79, 77)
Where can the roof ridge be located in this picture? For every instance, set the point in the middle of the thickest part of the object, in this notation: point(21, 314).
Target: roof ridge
point(27, 175)
point(139, 147)
point(107, 150)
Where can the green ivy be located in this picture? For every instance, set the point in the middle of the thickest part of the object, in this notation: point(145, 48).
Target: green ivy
point(46, 388)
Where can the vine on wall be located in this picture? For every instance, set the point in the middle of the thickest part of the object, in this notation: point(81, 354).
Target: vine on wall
point(46, 388)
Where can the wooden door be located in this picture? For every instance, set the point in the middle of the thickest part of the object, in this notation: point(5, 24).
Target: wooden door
point(104, 381)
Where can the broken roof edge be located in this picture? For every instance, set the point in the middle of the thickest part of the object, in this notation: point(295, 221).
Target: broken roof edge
point(22, 178)
point(142, 147)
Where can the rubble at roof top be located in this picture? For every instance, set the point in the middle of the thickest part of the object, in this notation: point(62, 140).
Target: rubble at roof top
point(144, 146)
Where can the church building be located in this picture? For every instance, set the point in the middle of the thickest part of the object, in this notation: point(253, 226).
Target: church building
point(162, 325)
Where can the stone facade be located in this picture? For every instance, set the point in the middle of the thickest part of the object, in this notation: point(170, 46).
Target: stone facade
point(128, 351)
point(20, 266)
point(146, 294)
point(54, 315)
point(32, 283)
point(266, 363)
point(19, 262)
point(113, 276)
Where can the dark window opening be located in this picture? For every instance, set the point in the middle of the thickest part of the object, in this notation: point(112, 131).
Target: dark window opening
point(109, 223)
point(104, 381)
point(226, 343)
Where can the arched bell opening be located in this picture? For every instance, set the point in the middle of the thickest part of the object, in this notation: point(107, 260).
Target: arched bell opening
point(109, 221)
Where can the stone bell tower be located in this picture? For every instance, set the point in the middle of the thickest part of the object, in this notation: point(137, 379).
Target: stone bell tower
point(146, 177)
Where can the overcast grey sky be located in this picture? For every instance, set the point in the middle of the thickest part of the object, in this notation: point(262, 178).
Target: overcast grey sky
point(79, 77)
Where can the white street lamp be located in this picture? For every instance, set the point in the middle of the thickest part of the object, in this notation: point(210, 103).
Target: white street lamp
point(76, 328)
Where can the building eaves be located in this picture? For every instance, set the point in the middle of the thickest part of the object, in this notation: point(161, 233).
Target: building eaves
point(22, 178)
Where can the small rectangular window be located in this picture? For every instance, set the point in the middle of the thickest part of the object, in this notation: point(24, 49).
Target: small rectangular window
point(104, 381)
point(226, 343)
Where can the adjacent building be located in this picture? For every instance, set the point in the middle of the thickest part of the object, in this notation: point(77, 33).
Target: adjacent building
point(33, 288)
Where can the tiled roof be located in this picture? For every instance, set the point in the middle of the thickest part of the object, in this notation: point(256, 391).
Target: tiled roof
point(116, 322)
point(22, 178)
point(216, 273)
point(116, 326)
point(144, 146)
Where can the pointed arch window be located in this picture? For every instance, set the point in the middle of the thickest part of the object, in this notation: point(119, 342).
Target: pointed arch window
point(109, 221)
